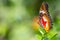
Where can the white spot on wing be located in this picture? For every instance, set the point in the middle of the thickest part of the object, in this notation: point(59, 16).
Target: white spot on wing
point(42, 11)
point(44, 19)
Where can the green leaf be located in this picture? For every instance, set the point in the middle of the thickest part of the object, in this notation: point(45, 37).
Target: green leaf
point(51, 34)
point(38, 37)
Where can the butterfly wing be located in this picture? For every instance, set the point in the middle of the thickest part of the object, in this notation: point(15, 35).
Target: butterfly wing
point(45, 19)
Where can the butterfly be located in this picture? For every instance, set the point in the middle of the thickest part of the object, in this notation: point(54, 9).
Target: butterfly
point(44, 17)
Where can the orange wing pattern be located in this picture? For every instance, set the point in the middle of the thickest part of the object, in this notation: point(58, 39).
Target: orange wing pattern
point(45, 19)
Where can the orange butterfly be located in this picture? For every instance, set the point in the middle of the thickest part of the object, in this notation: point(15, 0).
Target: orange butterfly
point(44, 18)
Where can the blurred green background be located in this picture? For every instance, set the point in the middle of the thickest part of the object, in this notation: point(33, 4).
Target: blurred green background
point(16, 18)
